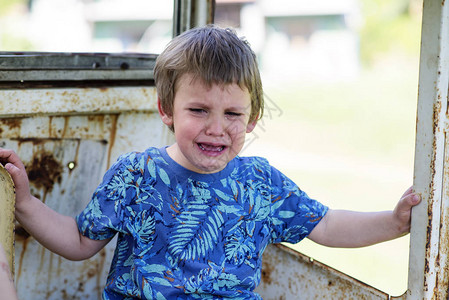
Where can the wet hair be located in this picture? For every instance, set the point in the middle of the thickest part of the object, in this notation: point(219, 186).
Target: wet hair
point(215, 56)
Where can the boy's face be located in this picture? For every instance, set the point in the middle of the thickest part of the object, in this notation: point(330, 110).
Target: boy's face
point(210, 124)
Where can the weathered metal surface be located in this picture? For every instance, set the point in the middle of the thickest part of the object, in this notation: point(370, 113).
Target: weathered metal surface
point(7, 200)
point(67, 138)
point(62, 174)
point(76, 61)
point(429, 243)
point(73, 101)
point(287, 274)
point(33, 66)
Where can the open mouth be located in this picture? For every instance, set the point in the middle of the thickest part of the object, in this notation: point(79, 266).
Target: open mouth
point(211, 148)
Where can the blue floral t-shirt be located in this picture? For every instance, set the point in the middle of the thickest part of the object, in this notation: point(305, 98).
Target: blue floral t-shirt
point(184, 235)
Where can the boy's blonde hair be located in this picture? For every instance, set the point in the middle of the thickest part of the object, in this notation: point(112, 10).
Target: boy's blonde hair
point(214, 55)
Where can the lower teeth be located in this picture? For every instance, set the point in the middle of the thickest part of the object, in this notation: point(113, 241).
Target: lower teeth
point(215, 149)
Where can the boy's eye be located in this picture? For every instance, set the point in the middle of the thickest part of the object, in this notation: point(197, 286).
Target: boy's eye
point(233, 114)
point(197, 110)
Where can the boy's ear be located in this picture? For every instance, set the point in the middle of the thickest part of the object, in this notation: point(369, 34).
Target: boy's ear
point(166, 119)
point(251, 125)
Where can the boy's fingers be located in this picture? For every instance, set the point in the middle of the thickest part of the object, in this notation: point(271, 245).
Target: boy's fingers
point(416, 199)
point(12, 169)
point(15, 173)
point(10, 156)
point(411, 200)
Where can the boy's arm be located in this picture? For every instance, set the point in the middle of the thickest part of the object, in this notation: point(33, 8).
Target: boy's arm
point(349, 229)
point(56, 232)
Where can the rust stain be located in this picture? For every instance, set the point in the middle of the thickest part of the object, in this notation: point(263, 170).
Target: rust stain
point(44, 171)
point(75, 160)
point(42, 261)
point(20, 264)
point(436, 113)
point(428, 246)
point(66, 125)
point(436, 116)
point(435, 289)
point(429, 226)
point(12, 123)
point(436, 128)
point(21, 234)
point(266, 273)
point(112, 137)
point(50, 121)
point(58, 268)
point(442, 278)
point(50, 272)
point(34, 141)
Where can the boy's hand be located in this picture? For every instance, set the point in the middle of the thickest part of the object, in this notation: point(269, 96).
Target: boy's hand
point(16, 169)
point(403, 210)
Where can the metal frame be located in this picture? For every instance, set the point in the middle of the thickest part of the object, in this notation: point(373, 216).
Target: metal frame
point(17, 69)
point(429, 244)
point(191, 13)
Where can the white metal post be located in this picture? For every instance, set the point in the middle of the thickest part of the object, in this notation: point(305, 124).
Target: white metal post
point(428, 266)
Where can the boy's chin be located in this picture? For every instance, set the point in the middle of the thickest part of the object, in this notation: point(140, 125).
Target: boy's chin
point(212, 167)
point(210, 170)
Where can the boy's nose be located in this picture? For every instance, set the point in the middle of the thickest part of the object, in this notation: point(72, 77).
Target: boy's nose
point(215, 126)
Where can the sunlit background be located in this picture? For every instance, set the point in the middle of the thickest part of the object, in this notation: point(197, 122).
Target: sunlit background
point(340, 78)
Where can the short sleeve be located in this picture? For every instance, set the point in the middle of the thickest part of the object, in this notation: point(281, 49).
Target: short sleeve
point(293, 213)
point(103, 216)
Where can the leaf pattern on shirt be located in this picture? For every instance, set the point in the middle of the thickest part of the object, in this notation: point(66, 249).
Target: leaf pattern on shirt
point(197, 224)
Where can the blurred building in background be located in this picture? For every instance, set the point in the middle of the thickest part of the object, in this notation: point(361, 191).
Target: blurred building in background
point(293, 38)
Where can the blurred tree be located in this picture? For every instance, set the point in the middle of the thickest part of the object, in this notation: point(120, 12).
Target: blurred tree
point(13, 31)
point(5, 5)
point(391, 27)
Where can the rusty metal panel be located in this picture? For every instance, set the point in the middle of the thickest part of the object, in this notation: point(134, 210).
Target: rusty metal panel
point(7, 200)
point(429, 242)
point(288, 274)
point(71, 101)
point(67, 138)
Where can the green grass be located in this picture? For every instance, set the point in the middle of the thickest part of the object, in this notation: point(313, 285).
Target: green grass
point(351, 146)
